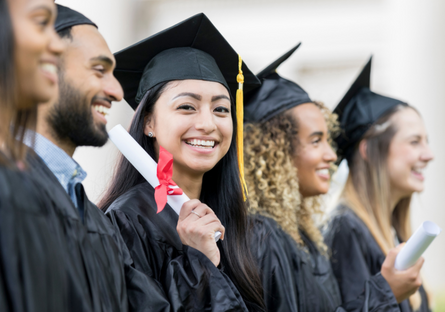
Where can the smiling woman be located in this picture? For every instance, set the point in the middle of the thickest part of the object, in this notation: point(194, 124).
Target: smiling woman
point(29, 57)
point(289, 158)
point(32, 272)
point(386, 147)
point(198, 114)
point(183, 93)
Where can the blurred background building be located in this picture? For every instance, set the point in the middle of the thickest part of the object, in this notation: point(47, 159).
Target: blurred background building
point(406, 37)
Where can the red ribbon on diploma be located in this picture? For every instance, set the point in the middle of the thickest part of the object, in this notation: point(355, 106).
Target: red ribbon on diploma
point(164, 173)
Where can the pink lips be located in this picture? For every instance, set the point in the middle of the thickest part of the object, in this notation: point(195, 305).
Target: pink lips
point(50, 76)
point(324, 173)
point(49, 68)
point(418, 175)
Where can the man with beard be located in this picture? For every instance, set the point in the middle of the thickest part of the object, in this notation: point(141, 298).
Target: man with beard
point(98, 264)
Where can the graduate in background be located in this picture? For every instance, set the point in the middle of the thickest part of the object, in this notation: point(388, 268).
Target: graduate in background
point(76, 117)
point(32, 275)
point(385, 143)
point(289, 161)
point(182, 82)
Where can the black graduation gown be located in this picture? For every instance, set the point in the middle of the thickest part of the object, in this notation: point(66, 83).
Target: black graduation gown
point(357, 260)
point(32, 265)
point(183, 279)
point(95, 251)
point(293, 279)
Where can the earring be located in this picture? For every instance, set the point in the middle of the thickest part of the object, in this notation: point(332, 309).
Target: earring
point(150, 134)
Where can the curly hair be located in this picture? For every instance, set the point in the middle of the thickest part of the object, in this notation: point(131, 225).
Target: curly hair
point(271, 176)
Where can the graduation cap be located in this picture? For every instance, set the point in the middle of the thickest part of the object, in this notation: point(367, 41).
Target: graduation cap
point(191, 49)
point(275, 95)
point(359, 109)
point(67, 18)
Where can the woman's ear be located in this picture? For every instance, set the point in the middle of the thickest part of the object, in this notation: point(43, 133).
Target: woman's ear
point(148, 126)
point(363, 149)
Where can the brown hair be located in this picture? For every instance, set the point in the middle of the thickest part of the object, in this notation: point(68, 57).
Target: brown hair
point(13, 122)
point(271, 176)
point(367, 190)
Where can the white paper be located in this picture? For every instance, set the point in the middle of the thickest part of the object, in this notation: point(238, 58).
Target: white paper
point(143, 163)
point(416, 245)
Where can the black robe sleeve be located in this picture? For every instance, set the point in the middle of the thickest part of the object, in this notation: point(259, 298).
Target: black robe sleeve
point(181, 278)
point(32, 272)
point(94, 264)
point(279, 285)
point(356, 261)
point(294, 278)
point(144, 294)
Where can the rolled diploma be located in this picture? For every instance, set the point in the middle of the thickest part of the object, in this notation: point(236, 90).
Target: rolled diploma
point(146, 166)
point(416, 245)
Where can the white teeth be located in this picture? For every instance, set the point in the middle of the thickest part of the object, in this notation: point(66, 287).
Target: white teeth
point(101, 109)
point(48, 67)
point(323, 171)
point(418, 170)
point(201, 143)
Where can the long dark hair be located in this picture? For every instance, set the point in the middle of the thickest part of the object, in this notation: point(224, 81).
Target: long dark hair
point(221, 190)
point(13, 122)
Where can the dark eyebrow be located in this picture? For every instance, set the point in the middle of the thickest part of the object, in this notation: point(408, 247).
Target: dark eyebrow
point(103, 59)
point(192, 95)
point(317, 133)
point(220, 97)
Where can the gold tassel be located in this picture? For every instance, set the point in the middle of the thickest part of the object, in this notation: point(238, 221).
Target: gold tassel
point(240, 123)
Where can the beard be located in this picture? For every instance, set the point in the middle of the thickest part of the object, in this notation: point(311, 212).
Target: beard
point(71, 118)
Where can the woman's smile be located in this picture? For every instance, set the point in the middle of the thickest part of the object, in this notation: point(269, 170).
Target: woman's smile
point(323, 173)
point(203, 146)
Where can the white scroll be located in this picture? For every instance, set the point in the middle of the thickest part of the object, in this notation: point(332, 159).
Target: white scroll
point(146, 166)
point(416, 245)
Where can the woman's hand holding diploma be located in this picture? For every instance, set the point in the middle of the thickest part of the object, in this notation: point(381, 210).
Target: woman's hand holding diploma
point(197, 226)
point(403, 283)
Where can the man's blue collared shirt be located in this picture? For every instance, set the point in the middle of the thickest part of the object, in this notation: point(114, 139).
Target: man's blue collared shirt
point(64, 167)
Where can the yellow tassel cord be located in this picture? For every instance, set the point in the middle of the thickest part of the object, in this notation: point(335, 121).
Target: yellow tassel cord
point(240, 119)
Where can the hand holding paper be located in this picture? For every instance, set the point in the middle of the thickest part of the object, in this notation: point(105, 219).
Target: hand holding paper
point(416, 245)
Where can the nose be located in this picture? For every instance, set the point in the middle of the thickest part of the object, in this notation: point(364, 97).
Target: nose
point(56, 45)
point(205, 121)
point(113, 89)
point(329, 155)
point(427, 154)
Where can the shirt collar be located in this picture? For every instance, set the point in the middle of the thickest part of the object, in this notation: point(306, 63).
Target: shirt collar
point(64, 167)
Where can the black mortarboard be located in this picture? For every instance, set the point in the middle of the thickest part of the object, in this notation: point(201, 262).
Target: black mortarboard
point(67, 17)
point(359, 109)
point(275, 95)
point(192, 49)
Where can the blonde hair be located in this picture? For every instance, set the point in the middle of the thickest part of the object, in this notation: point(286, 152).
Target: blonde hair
point(367, 190)
point(271, 176)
